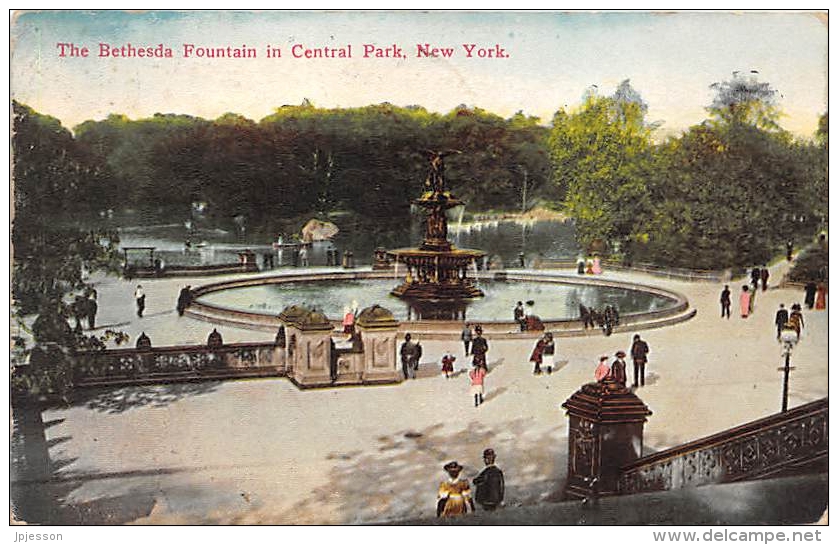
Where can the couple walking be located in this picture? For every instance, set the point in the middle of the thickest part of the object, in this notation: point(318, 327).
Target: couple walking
point(454, 495)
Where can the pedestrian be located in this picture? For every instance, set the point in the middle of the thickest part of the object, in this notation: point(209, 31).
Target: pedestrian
point(448, 364)
point(585, 316)
point(781, 319)
point(214, 340)
point(348, 321)
point(466, 337)
point(521, 260)
point(543, 353)
point(479, 348)
point(454, 496)
point(608, 320)
point(476, 377)
point(639, 357)
point(820, 297)
point(139, 298)
point(618, 368)
point(184, 299)
point(796, 319)
point(580, 266)
point(589, 266)
point(489, 484)
point(408, 354)
point(725, 301)
point(763, 276)
point(756, 274)
point(602, 371)
point(811, 289)
point(789, 248)
point(303, 257)
point(91, 308)
point(518, 315)
point(596, 266)
point(745, 302)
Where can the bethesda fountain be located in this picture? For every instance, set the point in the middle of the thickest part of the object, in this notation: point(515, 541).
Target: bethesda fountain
point(437, 282)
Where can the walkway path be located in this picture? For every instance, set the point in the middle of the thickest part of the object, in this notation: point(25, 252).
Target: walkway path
point(262, 451)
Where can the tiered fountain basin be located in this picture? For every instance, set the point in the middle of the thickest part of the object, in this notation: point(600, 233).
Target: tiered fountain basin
point(255, 302)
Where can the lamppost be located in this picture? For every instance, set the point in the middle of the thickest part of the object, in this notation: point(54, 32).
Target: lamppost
point(789, 338)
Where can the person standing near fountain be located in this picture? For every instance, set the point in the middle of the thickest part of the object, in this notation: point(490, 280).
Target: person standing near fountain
point(477, 376)
point(543, 353)
point(409, 353)
point(466, 337)
point(479, 348)
point(139, 298)
point(518, 315)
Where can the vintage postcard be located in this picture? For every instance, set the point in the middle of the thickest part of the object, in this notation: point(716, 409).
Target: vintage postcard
point(497, 268)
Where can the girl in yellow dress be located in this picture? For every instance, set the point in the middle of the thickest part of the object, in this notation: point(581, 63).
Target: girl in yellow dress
point(454, 496)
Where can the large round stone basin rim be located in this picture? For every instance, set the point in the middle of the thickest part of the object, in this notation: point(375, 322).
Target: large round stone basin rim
point(677, 312)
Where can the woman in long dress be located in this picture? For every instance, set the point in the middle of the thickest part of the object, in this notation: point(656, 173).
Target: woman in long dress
point(745, 302)
point(820, 297)
point(543, 353)
point(454, 497)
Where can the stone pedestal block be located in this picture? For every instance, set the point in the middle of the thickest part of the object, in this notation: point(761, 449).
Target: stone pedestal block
point(605, 433)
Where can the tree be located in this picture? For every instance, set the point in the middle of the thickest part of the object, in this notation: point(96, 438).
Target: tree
point(601, 155)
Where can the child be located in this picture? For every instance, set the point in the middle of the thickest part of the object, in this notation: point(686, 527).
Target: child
point(448, 364)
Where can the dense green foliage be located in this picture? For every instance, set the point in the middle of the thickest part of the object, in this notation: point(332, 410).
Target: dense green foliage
point(728, 192)
point(51, 173)
point(304, 161)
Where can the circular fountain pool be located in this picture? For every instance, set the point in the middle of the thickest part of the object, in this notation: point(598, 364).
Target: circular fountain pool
point(556, 298)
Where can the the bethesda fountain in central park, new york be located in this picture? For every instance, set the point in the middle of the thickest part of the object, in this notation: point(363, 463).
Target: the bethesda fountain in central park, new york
point(437, 279)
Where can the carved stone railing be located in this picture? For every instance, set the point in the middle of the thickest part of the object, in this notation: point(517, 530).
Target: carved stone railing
point(779, 444)
point(130, 365)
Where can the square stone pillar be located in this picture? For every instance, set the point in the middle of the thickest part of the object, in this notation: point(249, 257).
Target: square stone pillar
point(379, 329)
point(605, 433)
point(308, 347)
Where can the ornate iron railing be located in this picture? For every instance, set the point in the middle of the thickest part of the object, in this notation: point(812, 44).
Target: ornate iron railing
point(185, 362)
point(780, 443)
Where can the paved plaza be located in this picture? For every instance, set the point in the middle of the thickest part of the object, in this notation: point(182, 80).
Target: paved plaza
point(262, 451)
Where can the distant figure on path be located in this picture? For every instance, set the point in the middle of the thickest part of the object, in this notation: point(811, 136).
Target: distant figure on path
point(745, 302)
point(543, 352)
point(602, 370)
point(184, 299)
point(476, 377)
point(303, 257)
point(585, 316)
point(518, 315)
point(589, 266)
point(139, 298)
point(448, 364)
point(763, 276)
point(91, 308)
point(781, 319)
point(639, 356)
point(725, 301)
point(811, 289)
point(408, 353)
point(454, 496)
point(756, 274)
point(479, 348)
point(618, 369)
point(580, 266)
point(820, 299)
point(489, 483)
point(596, 267)
point(466, 337)
point(796, 319)
point(789, 249)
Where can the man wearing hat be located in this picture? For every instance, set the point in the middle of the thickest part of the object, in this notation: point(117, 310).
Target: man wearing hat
point(409, 356)
point(489, 483)
point(639, 356)
point(618, 369)
point(454, 497)
point(479, 348)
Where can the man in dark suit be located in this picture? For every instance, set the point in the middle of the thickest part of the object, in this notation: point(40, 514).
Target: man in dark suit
point(725, 301)
point(781, 319)
point(639, 355)
point(489, 483)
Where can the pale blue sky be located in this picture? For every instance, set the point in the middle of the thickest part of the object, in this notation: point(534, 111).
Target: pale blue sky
point(670, 58)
